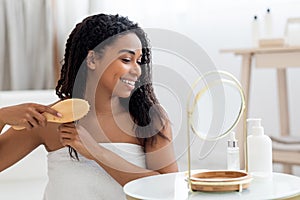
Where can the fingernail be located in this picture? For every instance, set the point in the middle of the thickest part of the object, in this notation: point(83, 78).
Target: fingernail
point(59, 115)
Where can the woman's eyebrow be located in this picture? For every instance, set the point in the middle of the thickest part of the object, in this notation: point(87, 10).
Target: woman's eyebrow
point(126, 51)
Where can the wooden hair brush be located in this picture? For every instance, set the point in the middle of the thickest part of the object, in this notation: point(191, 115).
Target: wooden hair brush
point(71, 110)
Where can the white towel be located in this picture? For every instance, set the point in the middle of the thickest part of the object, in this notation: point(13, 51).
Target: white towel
point(85, 179)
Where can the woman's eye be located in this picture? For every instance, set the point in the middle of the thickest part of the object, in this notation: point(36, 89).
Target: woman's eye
point(126, 60)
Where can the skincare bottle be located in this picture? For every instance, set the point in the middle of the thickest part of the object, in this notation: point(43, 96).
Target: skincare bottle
point(255, 31)
point(233, 153)
point(268, 24)
point(251, 122)
point(259, 151)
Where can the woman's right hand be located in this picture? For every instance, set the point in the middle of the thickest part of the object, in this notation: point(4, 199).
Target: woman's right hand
point(28, 115)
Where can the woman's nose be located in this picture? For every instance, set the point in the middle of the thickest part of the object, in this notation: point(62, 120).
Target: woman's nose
point(136, 70)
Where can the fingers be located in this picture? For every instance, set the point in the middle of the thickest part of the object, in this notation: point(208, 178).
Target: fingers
point(67, 139)
point(35, 118)
point(68, 134)
point(32, 121)
point(26, 124)
point(42, 108)
point(39, 118)
point(70, 137)
point(28, 115)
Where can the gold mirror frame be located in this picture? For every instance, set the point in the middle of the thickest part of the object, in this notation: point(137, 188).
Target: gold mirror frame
point(191, 108)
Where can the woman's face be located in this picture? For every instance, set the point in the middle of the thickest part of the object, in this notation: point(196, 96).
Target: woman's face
point(119, 66)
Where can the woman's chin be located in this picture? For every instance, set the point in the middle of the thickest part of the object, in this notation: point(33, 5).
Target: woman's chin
point(124, 94)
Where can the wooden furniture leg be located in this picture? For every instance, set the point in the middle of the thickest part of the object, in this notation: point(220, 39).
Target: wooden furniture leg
point(283, 110)
point(245, 81)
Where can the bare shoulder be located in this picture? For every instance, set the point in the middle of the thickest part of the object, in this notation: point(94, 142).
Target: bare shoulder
point(163, 136)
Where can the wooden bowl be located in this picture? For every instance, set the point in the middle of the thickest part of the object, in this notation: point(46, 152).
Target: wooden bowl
point(220, 181)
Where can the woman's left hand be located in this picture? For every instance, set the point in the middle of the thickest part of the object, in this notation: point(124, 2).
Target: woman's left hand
point(69, 137)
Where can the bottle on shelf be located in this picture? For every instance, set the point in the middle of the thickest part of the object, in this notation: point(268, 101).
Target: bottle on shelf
point(255, 31)
point(268, 24)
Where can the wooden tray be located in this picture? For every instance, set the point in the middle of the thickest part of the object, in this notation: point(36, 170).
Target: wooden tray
point(220, 181)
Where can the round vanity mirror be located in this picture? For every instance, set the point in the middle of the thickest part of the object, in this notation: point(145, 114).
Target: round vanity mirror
point(215, 105)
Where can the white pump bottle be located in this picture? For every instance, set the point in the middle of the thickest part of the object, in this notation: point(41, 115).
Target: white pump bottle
point(259, 150)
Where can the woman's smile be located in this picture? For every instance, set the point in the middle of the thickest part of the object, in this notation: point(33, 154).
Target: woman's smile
point(129, 83)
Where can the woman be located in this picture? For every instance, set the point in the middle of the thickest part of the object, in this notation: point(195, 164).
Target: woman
point(125, 136)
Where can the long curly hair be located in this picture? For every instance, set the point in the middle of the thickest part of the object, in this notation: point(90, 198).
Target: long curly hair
point(142, 104)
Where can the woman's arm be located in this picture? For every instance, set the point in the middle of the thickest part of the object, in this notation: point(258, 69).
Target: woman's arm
point(14, 145)
point(160, 156)
point(120, 169)
point(28, 115)
point(2, 124)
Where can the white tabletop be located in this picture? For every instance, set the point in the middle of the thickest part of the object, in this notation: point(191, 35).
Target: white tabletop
point(173, 186)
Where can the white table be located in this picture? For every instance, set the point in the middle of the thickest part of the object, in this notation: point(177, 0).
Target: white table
point(174, 187)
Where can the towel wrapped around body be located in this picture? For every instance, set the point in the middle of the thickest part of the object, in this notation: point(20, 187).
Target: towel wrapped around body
point(70, 179)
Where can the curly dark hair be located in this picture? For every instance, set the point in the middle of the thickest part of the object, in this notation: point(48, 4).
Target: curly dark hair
point(104, 30)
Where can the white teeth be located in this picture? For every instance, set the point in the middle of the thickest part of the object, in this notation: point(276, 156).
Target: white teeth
point(132, 83)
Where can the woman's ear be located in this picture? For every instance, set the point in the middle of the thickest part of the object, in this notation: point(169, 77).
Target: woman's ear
point(91, 60)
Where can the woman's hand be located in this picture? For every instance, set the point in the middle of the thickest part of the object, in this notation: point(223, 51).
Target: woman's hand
point(69, 136)
point(28, 115)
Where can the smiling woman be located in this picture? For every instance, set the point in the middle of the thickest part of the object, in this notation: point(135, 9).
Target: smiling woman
point(125, 136)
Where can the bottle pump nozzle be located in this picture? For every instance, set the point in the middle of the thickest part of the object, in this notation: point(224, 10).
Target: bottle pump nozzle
point(253, 122)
